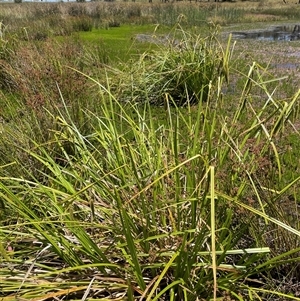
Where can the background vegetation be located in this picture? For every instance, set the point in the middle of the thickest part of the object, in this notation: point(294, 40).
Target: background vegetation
point(146, 155)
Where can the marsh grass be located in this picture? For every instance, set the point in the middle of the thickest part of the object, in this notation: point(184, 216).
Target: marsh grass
point(185, 67)
point(149, 202)
point(48, 19)
point(104, 199)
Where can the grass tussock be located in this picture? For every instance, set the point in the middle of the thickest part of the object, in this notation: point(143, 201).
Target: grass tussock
point(185, 70)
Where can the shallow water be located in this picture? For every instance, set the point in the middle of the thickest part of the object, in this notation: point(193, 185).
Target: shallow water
point(276, 33)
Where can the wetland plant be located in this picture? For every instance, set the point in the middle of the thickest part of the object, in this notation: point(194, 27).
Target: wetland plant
point(103, 198)
point(185, 67)
point(153, 203)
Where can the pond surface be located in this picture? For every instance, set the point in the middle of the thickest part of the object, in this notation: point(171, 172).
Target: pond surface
point(275, 33)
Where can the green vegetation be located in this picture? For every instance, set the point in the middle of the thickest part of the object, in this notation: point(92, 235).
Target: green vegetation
point(126, 35)
point(145, 156)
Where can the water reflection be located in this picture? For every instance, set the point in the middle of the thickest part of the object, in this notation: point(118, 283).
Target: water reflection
point(278, 33)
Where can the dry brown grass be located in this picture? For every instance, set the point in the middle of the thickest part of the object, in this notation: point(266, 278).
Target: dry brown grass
point(261, 17)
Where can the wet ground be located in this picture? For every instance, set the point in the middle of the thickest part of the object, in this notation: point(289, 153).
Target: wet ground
point(274, 33)
point(282, 57)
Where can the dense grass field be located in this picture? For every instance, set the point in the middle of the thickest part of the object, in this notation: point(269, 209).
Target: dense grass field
point(146, 154)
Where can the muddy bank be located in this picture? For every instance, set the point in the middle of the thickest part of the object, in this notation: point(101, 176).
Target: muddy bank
point(274, 33)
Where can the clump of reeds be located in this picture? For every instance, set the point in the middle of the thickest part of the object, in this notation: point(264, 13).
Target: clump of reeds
point(185, 68)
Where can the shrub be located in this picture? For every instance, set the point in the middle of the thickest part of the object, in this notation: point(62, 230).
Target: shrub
point(77, 10)
point(82, 23)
